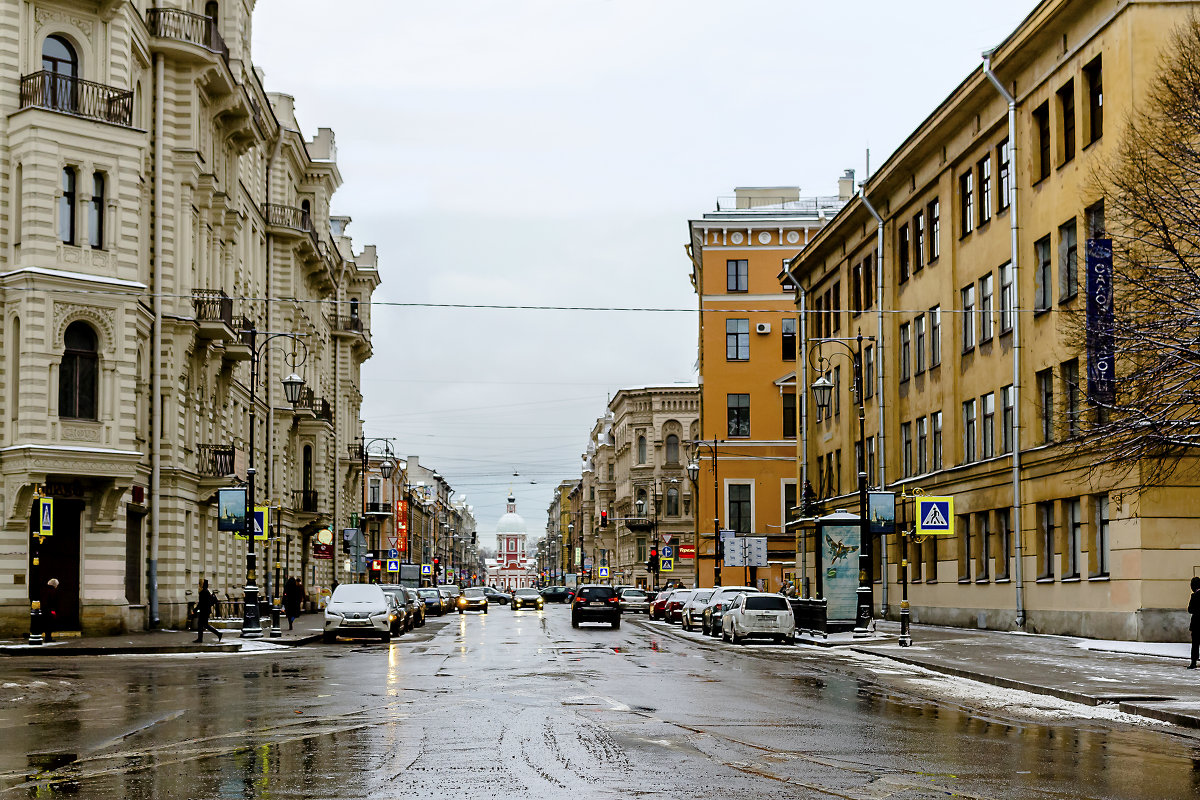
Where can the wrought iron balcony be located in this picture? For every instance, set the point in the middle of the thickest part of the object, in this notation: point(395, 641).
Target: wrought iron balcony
point(305, 500)
point(379, 508)
point(351, 324)
point(213, 305)
point(184, 26)
point(75, 96)
point(215, 460)
point(318, 407)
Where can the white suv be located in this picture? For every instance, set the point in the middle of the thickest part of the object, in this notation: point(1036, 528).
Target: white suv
point(760, 616)
point(358, 609)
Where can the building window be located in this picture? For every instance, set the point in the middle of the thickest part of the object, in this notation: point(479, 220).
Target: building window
point(837, 391)
point(1008, 309)
point(79, 373)
point(374, 492)
point(836, 307)
point(985, 546)
point(1093, 78)
point(739, 415)
point(210, 10)
point(1004, 542)
point(737, 275)
point(672, 449)
point(906, 447)
point(1045, 520)
point(788, 329)
point(66, 207)
point(868, 285)
point(918, 344)
point(740, 518)
point(935, 336)
point(1041, 132)
point(1006, 419)
point(985, 308)
point(870, 457)
point(1099, 546)
point(935, 425)
point(642, 552)
point(922, 445)
point(918, 224)
point(856, 296)
point(868, 372)
point(737, 339)
point(966, 199)
point(970, 435)
point(1041, 289)
point(905, 353)
point(987, 410)
point(1004, 175)
point(58, 57)
point(1071, 395)
point(935, 229)
point(1045, 386)
point(641, 449)
point(1068, 261)
point(789, 415)
point(968, 318)
point(672, 502)
point(1066, 110)
point(96, 213)
point(964, 548)
point(1074, 543)
point(902, 253)
point(985, 189)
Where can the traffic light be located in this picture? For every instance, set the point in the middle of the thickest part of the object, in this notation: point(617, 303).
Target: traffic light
point(652, 561)
point(436, 561)
point(603, 519)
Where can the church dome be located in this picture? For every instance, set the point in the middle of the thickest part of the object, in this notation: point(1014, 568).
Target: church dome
point(511, 522)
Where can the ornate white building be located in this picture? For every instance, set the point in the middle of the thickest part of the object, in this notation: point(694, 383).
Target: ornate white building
point(511, 567)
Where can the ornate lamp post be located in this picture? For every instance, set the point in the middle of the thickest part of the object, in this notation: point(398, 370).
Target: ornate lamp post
point(822, 389)
point(362, 448)
point(693, 470)
point(293, 387)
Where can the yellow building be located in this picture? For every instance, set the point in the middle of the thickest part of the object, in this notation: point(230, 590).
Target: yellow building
point(747, 346)
point(972, 383)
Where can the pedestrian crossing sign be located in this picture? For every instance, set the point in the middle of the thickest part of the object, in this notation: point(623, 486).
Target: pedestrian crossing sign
point(666, 565)
point(427, 569)
point(393, 565)
point(46, 515)
point(604, 572)
point(935, 516)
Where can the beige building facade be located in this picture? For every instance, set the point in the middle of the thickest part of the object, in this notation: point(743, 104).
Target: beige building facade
point(157, 207)
point(964, 283)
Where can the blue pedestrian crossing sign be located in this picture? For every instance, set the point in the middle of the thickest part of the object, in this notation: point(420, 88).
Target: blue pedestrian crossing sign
point(604, 572)
point(935, 516)
point(45, 516)
point(393, 565)
point(427, 569)
point(666, 564)
point(667, 552)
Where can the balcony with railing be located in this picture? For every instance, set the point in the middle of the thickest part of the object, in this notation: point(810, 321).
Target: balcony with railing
point(214, 315)
point(67, 94)
point(305, 501)
point(241, 347)
point(189, 28)
point(378, 508)
point(313, 407)
point(215, 460)
point(351, 325)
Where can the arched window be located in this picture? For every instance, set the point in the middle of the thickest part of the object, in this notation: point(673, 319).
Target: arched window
point(59, 57)
point(79, 373)
point(66, 207)
point(96, 212)
point(672, 449)
point(672, 502)
point(354, 308)
point(641, 450)
point(211, 9)
point(306, 214)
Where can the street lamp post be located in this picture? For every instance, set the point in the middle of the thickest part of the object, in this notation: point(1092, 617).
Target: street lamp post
point(362, 448)
point(693, 470)
point(822, 390)
point(293, 385)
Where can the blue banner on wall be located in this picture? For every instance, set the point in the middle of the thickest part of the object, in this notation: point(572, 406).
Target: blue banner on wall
point(839, 570)
point(1100, 359)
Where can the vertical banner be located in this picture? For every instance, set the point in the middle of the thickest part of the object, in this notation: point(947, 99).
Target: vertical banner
point(1100, 358)
point(839, 570)
point(402, 525)
point(881, 509)
point(231, 510)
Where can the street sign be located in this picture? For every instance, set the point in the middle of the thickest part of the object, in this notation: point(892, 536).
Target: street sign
point(746, 551)
point(393, 553)
point(427, 569)
point(687, 551)
point(935, 516)
point(262, 524)
point(46, 516)
point(726, 534)
point(666, 565)
point(604, 572)
point(376, 564)
point(666, 537)
point(393, 565)
point(667, 551)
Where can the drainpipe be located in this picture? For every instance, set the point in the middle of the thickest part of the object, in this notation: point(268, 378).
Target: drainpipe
point(269, 474)
point(879, 362)
point(156, 348)
point(802, 392)
point(1016, 330)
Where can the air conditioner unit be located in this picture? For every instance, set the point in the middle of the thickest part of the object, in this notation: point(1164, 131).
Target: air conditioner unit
point(762, 327)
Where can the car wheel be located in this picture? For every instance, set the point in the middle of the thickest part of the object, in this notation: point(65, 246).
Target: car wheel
point(724, 636)
point(460, 611)
point(574, 622)
point(485, 611)
point(328, 638)
point(616, 624)
point(386, 637)
point(790, 640)
point(733, 636)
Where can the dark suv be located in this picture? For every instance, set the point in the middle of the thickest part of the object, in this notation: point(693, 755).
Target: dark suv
point(595, 603)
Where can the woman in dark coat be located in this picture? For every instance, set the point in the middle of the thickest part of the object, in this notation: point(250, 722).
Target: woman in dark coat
point(50, 609)
point(292, 598)
point(1194, 610)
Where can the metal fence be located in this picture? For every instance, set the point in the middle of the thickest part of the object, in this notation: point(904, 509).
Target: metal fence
point(71, 95)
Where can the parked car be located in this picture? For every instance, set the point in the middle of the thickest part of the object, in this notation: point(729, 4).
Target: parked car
point(404, 608)
point(596, 603)
point(692, 612)
point(559, 594)
point(432, 600)
point(398, 618)
point(527, 598)
point(473, 599)
point(674, 608)
point(633, 600)
point(358, 609)
point(496, 596)
point(448, 599)
point(658, 606)
point(416, 609)
point(453, 590)
point(759, 616)
point(710, 621)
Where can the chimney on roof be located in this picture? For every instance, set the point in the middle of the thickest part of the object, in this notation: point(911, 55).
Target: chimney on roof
point(762, 196)
point(846, 185)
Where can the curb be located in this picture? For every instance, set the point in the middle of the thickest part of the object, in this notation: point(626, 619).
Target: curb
point(134, 650)
point(1135, 708)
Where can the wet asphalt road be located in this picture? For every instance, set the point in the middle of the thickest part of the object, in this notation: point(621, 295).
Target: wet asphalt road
point(523, 706)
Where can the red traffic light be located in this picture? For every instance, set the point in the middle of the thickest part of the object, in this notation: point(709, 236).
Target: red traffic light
point(654, 552)
point(603, 519)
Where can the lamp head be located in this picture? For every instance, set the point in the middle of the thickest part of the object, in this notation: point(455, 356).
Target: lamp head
point(293, 385)
point(822, 390)
point(693, 471)
point(386, 468)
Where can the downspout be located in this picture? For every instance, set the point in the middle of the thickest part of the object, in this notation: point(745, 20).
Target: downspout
point(802, 391)
point(270, 476)
point(879, 362)
point(1016, 331)
point(156, 348)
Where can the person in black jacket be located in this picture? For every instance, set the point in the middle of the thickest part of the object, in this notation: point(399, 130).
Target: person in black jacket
point(1194, 610)
point(204, 609)
point(49, 609)
point(293, 596)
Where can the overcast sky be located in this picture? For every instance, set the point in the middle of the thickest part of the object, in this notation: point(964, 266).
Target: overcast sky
point(550, 152)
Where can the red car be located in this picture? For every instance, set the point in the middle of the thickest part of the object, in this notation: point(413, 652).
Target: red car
point(659, 606)
point(674, 608)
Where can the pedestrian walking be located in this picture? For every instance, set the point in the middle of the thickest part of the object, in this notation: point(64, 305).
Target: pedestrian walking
point(49, 609)
point(1194, 610)
point(292, 598)
point(204, 609)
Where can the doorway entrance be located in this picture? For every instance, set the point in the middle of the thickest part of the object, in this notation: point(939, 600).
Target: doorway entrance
point(59, 558)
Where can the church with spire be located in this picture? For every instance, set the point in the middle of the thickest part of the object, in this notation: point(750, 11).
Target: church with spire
point(511, 569)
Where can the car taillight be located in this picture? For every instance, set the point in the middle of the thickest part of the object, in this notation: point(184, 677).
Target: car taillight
point(612, 599)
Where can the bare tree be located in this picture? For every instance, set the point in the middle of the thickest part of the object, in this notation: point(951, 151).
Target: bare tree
point(1150, 186)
